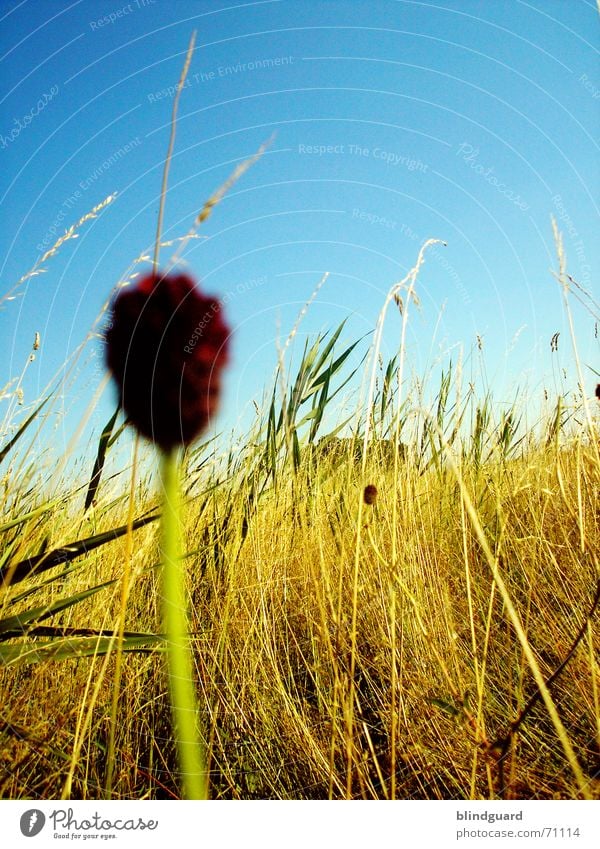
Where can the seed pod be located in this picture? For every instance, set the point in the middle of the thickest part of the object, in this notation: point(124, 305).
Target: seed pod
point(166, 347)
point(370, 494)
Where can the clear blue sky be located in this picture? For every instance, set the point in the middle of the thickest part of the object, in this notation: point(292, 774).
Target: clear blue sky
point(471, 121)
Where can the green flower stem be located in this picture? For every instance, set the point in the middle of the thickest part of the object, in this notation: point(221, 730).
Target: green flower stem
point(184, 704)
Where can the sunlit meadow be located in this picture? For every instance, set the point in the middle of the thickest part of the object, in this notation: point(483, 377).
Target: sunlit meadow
point(400, 602)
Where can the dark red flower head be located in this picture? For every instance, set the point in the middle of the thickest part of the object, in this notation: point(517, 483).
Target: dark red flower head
point(166, 348)
point(370, 494)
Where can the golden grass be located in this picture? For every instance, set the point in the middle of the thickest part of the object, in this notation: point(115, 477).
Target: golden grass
point(302, 696)
point(439, 641)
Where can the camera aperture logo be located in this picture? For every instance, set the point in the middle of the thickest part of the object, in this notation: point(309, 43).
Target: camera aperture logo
point(32, 822)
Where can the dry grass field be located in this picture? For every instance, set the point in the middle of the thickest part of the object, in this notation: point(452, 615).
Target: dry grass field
point(362, 627)
point(365, 623)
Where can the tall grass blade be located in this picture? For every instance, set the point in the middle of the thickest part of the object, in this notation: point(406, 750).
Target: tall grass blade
point(20, 571)
point(26, 517)
point(69, 648)
point(10, 444)
point(103, 444)
point(14, 626)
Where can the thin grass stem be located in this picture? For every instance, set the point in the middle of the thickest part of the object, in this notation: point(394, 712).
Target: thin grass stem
point(125, 589)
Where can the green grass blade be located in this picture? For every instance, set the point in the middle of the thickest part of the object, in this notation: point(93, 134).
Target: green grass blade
point(328, 348)
point(296, 450)
point(100, 458)
point(320, 405)
point(33, 514)
point(386, 390)
point(4, 451)
point(12, 626)
point(40, 563)
point(19, 654)
point(328, 373)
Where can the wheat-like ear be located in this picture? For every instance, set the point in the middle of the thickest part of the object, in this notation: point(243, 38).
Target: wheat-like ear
point(563, 279)
point(71, 233)
point(217, 197)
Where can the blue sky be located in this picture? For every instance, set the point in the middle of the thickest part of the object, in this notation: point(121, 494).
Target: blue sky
point(394, 121)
